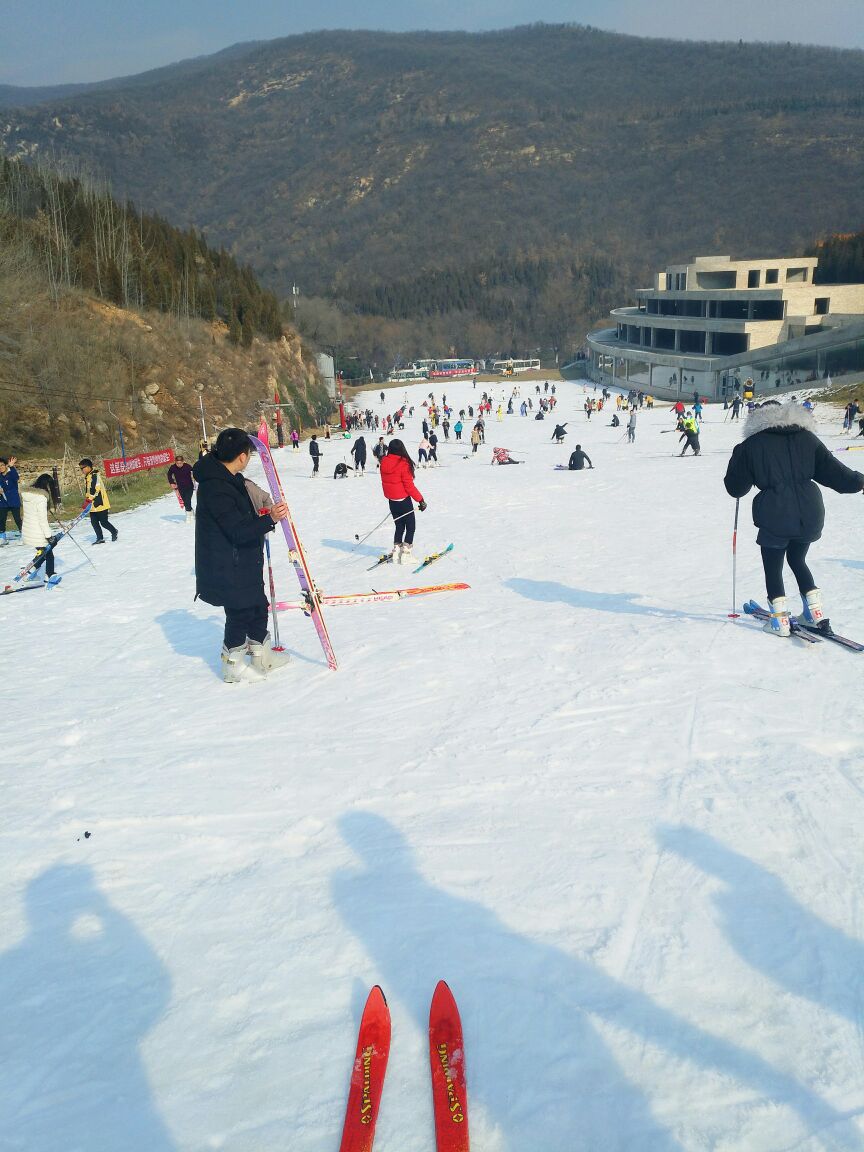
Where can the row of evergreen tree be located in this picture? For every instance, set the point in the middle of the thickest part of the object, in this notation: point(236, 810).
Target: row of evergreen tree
point(86, 239)
point(841, 259)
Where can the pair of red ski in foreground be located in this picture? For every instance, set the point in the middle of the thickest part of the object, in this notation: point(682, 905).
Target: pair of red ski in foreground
point(447, 1064)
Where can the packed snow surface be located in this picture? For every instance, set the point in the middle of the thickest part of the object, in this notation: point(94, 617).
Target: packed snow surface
point(624, 828)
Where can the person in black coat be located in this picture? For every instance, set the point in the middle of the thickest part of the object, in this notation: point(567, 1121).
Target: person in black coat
point(358, 451)
point(559, 433)
point(782, 457)
point(578, 458)
point(315, 453)
point(229, 555)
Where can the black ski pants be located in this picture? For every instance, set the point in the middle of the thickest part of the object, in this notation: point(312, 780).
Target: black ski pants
point(100, 520)
point(16, 516)
point(403, 528)
point(247, 622)
point(186, 497)
point(795, 553)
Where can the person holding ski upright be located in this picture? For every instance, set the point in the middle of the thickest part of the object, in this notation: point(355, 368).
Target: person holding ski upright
point(782, 457)
point(96, 496)
point(397, 481)
point(10, 499)
point(229, 555)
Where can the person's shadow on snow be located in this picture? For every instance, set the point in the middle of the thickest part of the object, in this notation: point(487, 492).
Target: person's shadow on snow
point(537, 1065)
point(772, 932)
point(192, 635)
point(623, 603)
point(78, 995)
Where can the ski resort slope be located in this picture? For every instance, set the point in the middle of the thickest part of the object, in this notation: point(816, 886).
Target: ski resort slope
point(625, 829)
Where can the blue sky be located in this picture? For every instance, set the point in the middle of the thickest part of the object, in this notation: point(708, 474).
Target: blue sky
point(60, 41)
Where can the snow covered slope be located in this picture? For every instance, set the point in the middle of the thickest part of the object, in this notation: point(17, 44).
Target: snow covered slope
point(625, 829)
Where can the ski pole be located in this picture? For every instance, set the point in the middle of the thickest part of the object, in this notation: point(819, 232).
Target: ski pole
point(733, 615)
point(277, 647)
point(377, 526)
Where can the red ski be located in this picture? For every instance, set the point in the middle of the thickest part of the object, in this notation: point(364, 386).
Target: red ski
point(367, 1076)
point(447, 1059)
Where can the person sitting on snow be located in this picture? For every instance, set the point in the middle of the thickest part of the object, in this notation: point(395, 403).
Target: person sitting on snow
point(578, 459)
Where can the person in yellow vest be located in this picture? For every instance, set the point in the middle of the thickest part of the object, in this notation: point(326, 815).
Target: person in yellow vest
point(96, 496)
point(748, 389)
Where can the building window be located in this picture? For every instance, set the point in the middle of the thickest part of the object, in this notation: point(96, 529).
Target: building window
point(772, 275)
point(664, 338)
point(823, 303)
point(729, 343)
point(796, 275)
point(754, 278)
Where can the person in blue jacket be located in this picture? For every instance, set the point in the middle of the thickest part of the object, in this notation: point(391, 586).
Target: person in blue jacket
point(10, 499)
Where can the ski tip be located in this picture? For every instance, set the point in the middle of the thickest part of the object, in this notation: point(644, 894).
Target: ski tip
point(376, 995)
point(443, 1002)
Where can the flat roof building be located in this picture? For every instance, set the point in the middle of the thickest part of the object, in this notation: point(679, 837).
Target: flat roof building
point(715, 321)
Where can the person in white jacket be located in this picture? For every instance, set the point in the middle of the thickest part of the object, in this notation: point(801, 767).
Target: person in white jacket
point(35, 530)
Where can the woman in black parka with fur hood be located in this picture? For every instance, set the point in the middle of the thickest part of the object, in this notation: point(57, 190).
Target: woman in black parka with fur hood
point(781, 455)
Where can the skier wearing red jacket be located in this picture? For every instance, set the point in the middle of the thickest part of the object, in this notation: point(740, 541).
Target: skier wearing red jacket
point(397, 480)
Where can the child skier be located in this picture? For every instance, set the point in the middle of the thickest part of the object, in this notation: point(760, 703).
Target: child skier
point(35, 530)
point(782, 457)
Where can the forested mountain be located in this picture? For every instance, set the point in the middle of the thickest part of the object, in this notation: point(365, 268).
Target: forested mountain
point(111, 319)
point(347, 162)
point(87, 240)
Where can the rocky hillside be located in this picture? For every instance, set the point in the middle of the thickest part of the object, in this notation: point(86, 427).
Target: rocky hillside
point(76, 370)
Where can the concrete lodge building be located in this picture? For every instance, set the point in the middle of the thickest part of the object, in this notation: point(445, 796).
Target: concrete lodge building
point(706, 325)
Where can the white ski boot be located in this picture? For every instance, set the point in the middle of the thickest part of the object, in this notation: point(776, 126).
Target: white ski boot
point(780, 624)
point(190, 516)
point(813, 614)
point(264, 658)
point(234, 667)
point(406, 556)
point(396, 554)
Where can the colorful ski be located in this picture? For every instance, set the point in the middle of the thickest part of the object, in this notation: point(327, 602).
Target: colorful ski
point(373, 597)
point(435, 556)
point(367, 1075)
point(751, 608)
point(296, 554)
point(385, 558)
point(447, 1061)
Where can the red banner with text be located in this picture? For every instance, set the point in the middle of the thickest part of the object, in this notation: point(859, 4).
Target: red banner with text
point(140, 463)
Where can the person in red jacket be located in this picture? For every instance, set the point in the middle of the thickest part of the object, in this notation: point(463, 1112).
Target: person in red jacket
point(397, 480)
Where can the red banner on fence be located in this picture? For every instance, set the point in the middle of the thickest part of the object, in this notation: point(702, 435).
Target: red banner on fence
point(139, 463)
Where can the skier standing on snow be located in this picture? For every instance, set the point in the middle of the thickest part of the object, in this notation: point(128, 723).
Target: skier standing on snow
point(397, 481)
point(295, 440)
point(690, 433)
point(315, 453)
point(782, 457)
point(380, 450)
point(35, 531)
point(97, 497)
point(433, 449)
point(358, 451)
point(229, 556)
point(10, 500)
point(631, 427)
point(180, 478)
